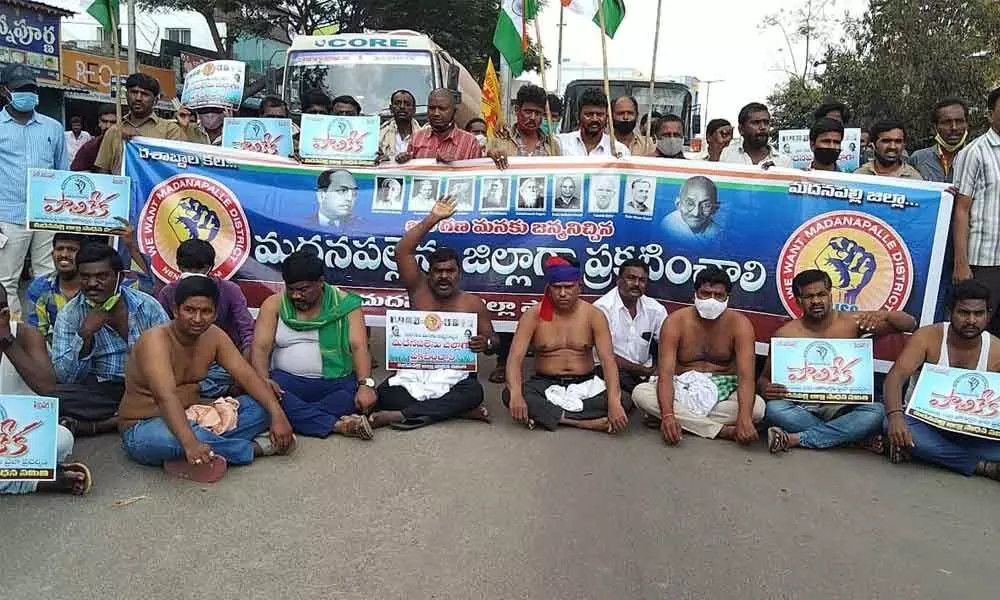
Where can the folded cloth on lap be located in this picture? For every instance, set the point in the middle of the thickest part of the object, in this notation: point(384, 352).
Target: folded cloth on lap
point(427, 385)
point(218, 417)
point(570, 397)
point(696, 392)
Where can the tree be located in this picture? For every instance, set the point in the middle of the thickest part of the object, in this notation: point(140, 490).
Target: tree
point(804, 30)
point(240, 19)
point(792, 104)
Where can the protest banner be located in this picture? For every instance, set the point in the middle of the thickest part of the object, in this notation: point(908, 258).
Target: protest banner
point(795, 144)
point(76, 202)
point(266, 136)
point(958, 400)
point(214, 83)
point(824, 370)
point(29, 432)
point(331, 139)
point(417, 339)
point(881, 239)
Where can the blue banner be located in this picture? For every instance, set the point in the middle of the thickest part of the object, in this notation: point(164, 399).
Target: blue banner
point(882, 240)
point(31, 38)
point(958, 400)
point(29, 432)
point(824, 370)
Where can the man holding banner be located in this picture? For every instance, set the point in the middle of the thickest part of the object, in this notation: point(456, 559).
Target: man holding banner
point(143, 91)
point(963, 343)
point(824, 425)
point(394, 136)
point(441, 139)
point(591, 139)
point(527, 138)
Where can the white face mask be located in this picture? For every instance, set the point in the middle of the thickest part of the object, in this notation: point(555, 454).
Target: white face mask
point(710, 308)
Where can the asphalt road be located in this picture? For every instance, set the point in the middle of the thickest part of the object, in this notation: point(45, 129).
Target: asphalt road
point(467, 510)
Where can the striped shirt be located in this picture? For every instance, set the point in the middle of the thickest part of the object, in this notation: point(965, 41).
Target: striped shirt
point(45, 299)
point(977, 175)
point(38, 144)
point(109, 351)
point(452, 146)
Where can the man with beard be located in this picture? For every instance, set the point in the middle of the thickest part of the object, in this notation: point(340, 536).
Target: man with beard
point(336, 193)
point(394, 137)
point(531, 193)
point(143, 91)
point(951, 125)
point(442, 140)
point(825, 139)
point(889, 139)
point(495, 196)
point(625, 111)
point(569, 197)
point(527, 138)
point(162, 418)
point(697, 203)
point(410, 398)
point(635, 320)
point(705, 382)
point(755, 127)
point(669, 132)
point(824, 425)
point(962, 343)
point(590, 139)
point(565, 388)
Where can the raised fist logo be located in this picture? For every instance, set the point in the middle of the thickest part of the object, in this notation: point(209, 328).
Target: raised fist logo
point(192, 220)
point(849, 265)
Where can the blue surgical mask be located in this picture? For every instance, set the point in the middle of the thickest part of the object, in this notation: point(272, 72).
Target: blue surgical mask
point(23, 101)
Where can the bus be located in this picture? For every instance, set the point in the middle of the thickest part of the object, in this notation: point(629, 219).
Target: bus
point(371, 66)
point(669, 98)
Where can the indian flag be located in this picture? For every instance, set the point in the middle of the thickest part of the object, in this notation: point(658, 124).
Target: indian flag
point(511, 36)
point(106, 13)
point(614, 12)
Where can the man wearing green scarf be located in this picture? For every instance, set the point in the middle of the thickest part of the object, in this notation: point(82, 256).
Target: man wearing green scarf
point(951, 124)
point(310, 344)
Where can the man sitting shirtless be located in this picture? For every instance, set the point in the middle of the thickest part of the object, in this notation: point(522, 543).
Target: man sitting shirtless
point(564, 333)
point(706, 352)
point(162, 381)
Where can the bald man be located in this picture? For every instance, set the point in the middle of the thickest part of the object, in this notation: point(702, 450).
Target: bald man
point(442, 140)
point(694, 218)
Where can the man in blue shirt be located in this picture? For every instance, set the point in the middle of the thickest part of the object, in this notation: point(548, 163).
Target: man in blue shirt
point(93, 336)
point(28, 140)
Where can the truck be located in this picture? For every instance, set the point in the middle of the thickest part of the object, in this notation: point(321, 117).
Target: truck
point(669, 97)
point(371, 66)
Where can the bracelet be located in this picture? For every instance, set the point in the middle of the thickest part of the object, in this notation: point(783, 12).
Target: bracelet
point(666, 415)
point(892, 412)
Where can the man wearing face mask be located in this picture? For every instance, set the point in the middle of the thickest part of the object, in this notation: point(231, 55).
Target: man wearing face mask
point(555, 110)
point(825, 138)
point(477, 127)
point(33, 141)
point(395, 135)
point(624, 117)
point(889, 139)
point(208, 129)
point(951, 124)
point(442, 139)
point(705, 382)
point(527, 138)
point(669, 132)
point(755, 127)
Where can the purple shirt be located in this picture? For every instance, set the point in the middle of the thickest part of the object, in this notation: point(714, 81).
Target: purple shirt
point(231, 314)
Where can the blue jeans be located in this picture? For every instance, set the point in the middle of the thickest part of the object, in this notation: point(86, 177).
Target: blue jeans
point(855, 425)
point(150, 441)
point(64, 447)
point(313, 406)
point(955, 451)
point(216, 383)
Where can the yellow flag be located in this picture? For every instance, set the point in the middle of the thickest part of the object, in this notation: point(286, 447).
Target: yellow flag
point(490, 106)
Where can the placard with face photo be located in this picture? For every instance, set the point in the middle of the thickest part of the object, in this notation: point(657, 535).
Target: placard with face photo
point(567, 193)
point(603, 194)
point(423, 194)
point(530, 194)
point(463, 192)
point(640, 196)
point(494, 194)
point(389, 194)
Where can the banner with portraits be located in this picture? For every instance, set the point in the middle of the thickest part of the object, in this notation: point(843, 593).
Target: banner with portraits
point(881, 240)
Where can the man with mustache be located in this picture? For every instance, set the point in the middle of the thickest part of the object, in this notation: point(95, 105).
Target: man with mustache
point(394, 137)
point(889, 139)
point(527, 137)
point(951, 124)
point(755, 127)
point(824, 425)
point(590, 139)
point(442, 139)
point(963, 343)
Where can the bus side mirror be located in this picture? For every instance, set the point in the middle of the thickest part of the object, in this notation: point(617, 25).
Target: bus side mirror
point(452, 77)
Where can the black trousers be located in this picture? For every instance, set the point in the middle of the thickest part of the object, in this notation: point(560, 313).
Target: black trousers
point(461, 398)
point(548, 415)
point(90, 400)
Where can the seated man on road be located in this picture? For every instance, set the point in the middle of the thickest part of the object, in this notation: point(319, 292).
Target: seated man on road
point(825, 425)
point(635, 320)
point(159, 418)
point(706, 377)
point(963, 343)
point(25, 348)
point(411, 398)
point(310, 344)
point(197, 257)
point(565, 332)
point(93, 336)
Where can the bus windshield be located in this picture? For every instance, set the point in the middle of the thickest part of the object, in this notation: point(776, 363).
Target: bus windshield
point(368, 76)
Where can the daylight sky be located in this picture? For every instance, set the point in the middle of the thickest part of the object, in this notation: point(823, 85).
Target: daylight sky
point(707, 39)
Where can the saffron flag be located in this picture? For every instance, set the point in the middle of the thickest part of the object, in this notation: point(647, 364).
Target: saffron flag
point(490, 104)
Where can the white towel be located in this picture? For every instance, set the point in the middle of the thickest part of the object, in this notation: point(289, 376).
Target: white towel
point(427, 385)
point(571, 397)
point(696, 392)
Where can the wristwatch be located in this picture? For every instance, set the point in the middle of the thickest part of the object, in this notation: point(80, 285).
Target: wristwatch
point(367, 382)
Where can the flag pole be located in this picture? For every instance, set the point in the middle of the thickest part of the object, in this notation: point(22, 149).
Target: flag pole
point(117, 52)
point(562, 25)
point(541, 69)
point(607, 83)
point(652, 73)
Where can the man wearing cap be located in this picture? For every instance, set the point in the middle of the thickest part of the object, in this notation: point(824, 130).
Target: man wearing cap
point(564, 332)
point(208, 129)
point(142, 91)
point(30, 140)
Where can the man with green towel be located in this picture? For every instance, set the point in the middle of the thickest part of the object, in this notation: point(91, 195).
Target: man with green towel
point(310, 344)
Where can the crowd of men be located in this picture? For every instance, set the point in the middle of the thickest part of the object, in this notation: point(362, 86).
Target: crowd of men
point(235, 389)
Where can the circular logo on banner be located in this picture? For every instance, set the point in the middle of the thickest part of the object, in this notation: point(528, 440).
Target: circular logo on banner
point(432, 322)
point(867, 260)
point(78, 187)
point(187, 207)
